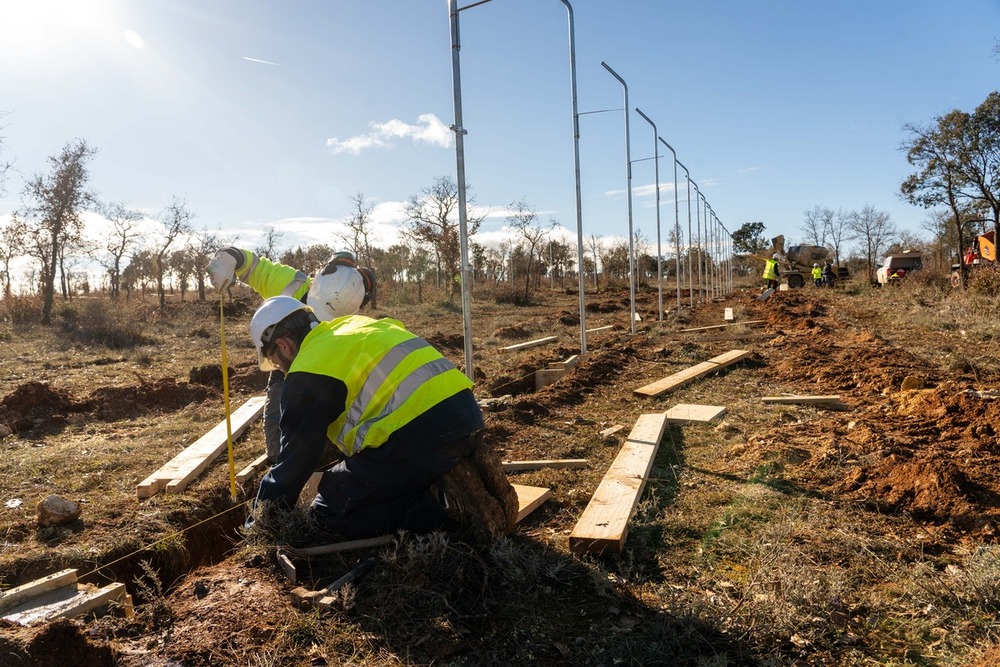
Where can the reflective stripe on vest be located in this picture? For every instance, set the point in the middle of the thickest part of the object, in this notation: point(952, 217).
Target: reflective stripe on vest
point(392, 376)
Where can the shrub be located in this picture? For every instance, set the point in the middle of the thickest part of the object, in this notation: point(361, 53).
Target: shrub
point(116, 325)
point(18, 309)
point(985, 280)
point(510, 295)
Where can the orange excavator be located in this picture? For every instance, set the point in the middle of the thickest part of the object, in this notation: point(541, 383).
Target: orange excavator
point(981, 253)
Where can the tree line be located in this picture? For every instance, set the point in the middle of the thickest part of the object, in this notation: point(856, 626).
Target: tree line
point(166, 251)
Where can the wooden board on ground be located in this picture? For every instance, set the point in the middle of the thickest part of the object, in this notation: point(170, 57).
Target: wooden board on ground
point(530, 343)
point(550, 463)
point(687, 375)
point(68, 601)
point(745, 336)
point(530, 498)
point(546, 376)
point(33, 589)
point(611, 430)
point(567, 364)
point(766, 294)
point(604, 328)
point(832, 401)
point(727, 315)
point(179, 471)
point(245, 474)
point(688, 413)
point(723, 326)
point(603, 525)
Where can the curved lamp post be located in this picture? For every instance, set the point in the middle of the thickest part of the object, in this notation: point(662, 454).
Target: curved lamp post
point(628, 194)
point(659, 252)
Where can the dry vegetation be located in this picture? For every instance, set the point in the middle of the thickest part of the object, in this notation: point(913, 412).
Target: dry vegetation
point(781, 535)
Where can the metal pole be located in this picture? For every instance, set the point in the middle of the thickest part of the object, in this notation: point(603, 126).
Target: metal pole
point(697, 240)
point(659, 251)
point(628, 194)
point(459, 131)
point(690, 239)
point(677, 222)
point(576, 164)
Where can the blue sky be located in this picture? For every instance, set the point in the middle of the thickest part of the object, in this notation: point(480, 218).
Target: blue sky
point(275, 114)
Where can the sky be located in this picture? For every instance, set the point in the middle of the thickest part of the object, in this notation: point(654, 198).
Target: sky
point(274, 114)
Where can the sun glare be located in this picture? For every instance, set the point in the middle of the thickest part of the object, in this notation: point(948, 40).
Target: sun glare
point(39, 24)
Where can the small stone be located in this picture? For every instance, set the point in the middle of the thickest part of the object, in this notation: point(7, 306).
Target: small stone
point(55, 511)
point(911, 382)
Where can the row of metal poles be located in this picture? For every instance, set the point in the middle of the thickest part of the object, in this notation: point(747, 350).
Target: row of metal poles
point(708, 246)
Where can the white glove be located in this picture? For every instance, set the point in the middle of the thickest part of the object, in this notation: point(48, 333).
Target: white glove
point(222, 270)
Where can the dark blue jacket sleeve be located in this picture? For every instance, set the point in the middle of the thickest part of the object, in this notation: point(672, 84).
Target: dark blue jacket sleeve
point(309, 404)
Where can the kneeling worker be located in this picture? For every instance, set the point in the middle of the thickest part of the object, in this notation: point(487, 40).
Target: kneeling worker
point(402, 415)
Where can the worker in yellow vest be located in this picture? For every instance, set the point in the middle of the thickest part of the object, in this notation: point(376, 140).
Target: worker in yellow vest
point(817, 274)
point(771, 272)
point(401, 414)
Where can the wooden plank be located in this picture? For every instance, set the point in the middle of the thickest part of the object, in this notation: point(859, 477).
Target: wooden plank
point(745, 336)
point(724, 326)
point(611, 430)
point(529, 498)
point(801, 399)
point(66, 602)
point(245, 474)
point(688, 413)
point(550, 463)
point(285, 563)
point(603, 525)
point(338, 547)
point(568, 364)
point(33, 589)
point(687, 375)
point(766, 294)
point(831, 402)
point(531, 343)
point(604, 328)
point(727, 315)
point(546, 376)
point(179, 471)
point(310, 490)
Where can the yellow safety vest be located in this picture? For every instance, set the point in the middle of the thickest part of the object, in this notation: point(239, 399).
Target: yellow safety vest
point(269, 278)
point(769, 269)
point(817, 273)
point(392, 376)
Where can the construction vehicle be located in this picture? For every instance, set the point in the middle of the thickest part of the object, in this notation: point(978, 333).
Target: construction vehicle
point(795, 264)
point(896, 267)
point(983, 252)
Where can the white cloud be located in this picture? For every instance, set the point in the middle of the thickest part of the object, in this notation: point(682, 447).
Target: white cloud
point(134, 39)
point(749, 170)
point(428, 130)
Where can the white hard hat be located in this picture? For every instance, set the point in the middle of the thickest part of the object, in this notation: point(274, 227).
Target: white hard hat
point(776, 256)
point(336, 294)
point(815, 265)
point(267, 317)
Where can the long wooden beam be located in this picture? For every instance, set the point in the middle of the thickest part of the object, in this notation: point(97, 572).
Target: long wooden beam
point(547, 463)
point(687, 375)
point(179, 471)
point(33, 589)
point(531, 343)
point(603, 525)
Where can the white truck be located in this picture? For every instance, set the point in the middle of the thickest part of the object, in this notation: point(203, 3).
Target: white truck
point(896, 267)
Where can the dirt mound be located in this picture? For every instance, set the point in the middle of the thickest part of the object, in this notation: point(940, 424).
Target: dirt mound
point(111, 403)
point(61, 643)
point(512, 332)
point(443, 341)
point(35, 401)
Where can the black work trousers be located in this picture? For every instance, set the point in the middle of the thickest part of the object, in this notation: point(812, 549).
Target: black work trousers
point(384, 489)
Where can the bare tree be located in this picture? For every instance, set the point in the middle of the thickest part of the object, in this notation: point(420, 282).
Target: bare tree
point(874, 229)
point(11, 246)
point(594, 246)
point(524, 220)
point(175, 221)
point(816, 225)
point(123, 236)
point(55, 202)
point(838, 233)
point(432, 219)
point(182, 265)
point(360, 228)
point(203, 245)
point(269, 243)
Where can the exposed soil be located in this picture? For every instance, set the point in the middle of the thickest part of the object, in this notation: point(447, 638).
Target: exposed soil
point(917, 462)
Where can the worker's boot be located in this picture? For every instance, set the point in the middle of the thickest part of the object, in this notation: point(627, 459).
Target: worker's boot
point(477, 497)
